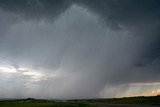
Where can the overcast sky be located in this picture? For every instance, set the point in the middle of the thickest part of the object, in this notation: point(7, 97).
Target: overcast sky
point(79, 48)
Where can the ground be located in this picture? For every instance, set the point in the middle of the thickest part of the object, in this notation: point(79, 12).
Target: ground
point(153, 101)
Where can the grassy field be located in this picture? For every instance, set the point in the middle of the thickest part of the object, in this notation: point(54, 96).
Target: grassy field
point(155, 100)
point(152, 100)
point(42, 104)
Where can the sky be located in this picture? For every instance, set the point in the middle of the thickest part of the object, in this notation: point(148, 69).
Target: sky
point(68, 49)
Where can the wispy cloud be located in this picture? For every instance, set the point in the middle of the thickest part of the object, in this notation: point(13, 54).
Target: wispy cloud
point(146, 84)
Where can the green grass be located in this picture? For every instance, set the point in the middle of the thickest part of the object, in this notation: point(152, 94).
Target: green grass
point(154, 100)
point(41, 104)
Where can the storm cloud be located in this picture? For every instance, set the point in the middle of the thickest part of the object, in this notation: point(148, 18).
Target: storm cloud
point(79, 48)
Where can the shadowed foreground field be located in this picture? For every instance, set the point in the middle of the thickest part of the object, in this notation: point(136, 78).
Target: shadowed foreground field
point(44, 105)
point(112, 102)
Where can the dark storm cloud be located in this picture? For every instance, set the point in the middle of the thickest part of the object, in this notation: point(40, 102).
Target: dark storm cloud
point(87, 47)
point(126, 12)
point(129, 13)
point(35, 8)
point(141, 16)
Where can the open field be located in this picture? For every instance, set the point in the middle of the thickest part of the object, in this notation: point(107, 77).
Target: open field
point(151, 100)
point(41, 104)
point(112, 102)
